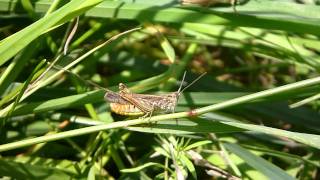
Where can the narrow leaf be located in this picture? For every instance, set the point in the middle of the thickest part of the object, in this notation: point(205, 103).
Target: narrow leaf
point(256, 162)
point(139, 168)
point(189, 165)
point(309, 139)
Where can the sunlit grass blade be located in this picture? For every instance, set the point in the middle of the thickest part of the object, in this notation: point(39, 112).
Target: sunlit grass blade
point(268, 169)
point(13, 44)
point(308, 139)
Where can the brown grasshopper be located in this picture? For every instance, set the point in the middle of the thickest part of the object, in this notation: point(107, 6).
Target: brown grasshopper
point(130, 104)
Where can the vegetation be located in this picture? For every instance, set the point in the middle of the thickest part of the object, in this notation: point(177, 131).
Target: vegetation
point(254, 115)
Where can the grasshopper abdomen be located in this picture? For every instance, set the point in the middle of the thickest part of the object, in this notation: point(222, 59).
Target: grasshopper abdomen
point(126, 109)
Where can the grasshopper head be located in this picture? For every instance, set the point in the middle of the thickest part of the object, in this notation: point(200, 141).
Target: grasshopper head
point(170, 102)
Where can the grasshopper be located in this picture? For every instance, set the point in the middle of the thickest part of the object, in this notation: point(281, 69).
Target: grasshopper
point(130, 104)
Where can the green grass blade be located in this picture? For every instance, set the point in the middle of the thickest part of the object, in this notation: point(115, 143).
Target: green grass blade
point(13, 44)
point(140, 168)
point(308, 139)
point(268, 169)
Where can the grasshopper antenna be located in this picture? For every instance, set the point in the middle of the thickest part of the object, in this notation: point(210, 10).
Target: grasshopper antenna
point(191, 82)
point(184, 75)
